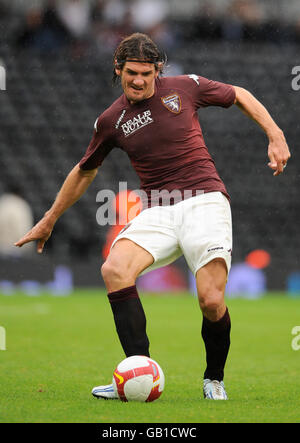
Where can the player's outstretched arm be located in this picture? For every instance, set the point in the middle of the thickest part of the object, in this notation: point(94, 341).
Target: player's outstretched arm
point(73, 188)
point(278, 150)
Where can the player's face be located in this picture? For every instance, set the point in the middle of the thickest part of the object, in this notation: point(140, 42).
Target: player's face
point(138, 80)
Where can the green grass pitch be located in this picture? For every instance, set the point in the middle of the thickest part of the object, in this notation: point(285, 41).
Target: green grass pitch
point(58, 348)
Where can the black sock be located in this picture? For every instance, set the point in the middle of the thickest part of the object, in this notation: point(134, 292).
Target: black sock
point(216, 336)
point(130, 321)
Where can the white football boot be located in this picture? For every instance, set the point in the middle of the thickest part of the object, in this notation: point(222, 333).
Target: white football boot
point(107, 392)
point(214, 390)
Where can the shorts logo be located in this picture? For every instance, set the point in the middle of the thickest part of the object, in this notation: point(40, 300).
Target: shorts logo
point(172, 103)
point(138, 122)
point(218, 248)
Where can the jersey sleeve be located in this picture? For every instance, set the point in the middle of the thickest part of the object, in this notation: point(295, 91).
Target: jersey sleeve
point(205, 92)
point(98, 148)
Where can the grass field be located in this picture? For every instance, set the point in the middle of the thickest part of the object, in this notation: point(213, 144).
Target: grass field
point(58, 348)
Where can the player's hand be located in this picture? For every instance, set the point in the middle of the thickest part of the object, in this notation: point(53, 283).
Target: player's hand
point(278, 153)
point(40, 232)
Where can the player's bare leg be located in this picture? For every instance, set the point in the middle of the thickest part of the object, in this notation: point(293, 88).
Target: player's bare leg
point(211, 282)
point(124, 263)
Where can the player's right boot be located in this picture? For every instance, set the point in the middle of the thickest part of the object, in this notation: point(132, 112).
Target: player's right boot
point(106, 392)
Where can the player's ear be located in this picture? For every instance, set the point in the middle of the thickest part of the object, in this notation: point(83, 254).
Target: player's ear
point(117, 68)
point(158, 69)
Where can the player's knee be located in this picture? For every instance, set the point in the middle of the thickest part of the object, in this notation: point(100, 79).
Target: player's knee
point(109, 272)
point(113, 274)
point(211, 302)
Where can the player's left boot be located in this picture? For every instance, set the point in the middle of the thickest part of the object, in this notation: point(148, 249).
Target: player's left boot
point(214, 390)
point(107, 392)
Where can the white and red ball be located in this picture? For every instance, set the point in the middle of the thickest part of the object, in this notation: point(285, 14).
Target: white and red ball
point(138, 378)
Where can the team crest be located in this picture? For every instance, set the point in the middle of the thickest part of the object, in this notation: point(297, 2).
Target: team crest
point(172, 103)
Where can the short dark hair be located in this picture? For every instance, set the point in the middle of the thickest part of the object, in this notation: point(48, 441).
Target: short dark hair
point(139, 47)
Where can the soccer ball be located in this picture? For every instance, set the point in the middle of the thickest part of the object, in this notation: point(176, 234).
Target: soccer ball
point(138, 378)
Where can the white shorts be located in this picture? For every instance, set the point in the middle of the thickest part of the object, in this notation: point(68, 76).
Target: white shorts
point(199, 228)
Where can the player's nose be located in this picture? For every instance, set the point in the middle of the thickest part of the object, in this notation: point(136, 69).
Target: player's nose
point(138, 81)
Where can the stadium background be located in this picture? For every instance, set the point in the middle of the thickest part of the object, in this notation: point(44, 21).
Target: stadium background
point(57, 57)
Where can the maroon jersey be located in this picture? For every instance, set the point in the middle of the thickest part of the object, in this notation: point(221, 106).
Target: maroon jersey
point(162, 135)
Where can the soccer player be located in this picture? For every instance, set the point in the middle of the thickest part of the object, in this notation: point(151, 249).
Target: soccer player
point(155, 122)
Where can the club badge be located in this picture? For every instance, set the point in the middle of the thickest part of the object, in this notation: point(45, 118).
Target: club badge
point(172, 103)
